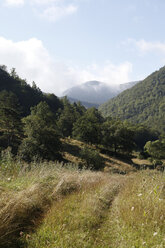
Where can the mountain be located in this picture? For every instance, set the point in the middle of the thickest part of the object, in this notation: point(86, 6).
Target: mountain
point(28, 96)
point(143, 103)
point(85, 104)
point(95, 92)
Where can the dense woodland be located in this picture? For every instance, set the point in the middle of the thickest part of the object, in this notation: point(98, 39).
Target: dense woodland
point(33, 123)
point(144, 103)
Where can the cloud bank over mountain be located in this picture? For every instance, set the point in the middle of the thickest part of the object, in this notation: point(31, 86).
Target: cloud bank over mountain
point(33, 62)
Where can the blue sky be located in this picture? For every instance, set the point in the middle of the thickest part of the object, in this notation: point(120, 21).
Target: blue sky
point(61, 43)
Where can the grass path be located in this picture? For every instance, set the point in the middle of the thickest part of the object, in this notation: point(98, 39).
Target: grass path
point(137, 217)
point(67, 208)
point(75, 221)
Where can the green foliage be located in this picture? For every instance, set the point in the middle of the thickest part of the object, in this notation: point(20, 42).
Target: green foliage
point(142, 134)
point(87, 127)
point(117, 136)
point(143, 155)
point(28, 96)
point(69, 115)
point(41, 136)
point(9, 164)
point(143, 103)
point(10, 121)
point(156, 149)
point(92, 158)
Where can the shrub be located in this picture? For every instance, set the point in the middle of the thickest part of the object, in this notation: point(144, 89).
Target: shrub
point(157, 162)
point(92, 158)
point(8, 164)
point(143, 155)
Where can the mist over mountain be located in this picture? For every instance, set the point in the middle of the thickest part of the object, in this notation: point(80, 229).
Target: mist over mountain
point(96, 92)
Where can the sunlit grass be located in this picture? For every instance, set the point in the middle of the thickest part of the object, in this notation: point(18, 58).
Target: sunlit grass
point(75, 221)
point(52, 205)
point(137, 218)
point(25, 199)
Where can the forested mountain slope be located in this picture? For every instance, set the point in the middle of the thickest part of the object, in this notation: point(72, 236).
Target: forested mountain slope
point(28, 96)
point(143, 103)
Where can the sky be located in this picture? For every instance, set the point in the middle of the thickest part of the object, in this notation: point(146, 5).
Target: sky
point(63, 43)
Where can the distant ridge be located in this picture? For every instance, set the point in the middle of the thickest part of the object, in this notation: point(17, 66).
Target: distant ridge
point(95, 92)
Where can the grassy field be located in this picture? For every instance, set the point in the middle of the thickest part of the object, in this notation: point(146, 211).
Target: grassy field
point(60, 207)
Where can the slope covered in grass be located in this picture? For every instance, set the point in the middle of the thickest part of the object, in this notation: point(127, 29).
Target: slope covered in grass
point(71, 154)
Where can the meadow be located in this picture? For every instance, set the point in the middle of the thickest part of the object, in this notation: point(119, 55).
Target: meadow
point(56, 205)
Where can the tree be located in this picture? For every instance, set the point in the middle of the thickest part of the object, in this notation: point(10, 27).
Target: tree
point(36, 89)
point(117, 136)
point(142, 134)
point(156, 149)
point(41, 136)
point(3, 67)
point(14, 74)
point(88, 127)
point(10, 121)
point(92, 158)
point(68, 116)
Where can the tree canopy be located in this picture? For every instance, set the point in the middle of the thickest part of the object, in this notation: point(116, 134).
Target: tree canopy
point(41, 135)
point(144, 103)
point(87, 127)
point(10, 121)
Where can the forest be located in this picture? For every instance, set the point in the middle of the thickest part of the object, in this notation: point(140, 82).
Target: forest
point(144, 103)
point(33, 123)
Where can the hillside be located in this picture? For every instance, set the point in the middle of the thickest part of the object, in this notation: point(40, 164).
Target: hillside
point(96, 92)
point(143, 103)
point(28, 96)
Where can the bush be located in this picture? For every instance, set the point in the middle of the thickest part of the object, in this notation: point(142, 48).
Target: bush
point(157, 162)
point(92, 158)
point(143, 155)
point(8, 164)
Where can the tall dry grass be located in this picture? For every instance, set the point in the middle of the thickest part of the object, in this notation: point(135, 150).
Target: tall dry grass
point(51, 205)
point(75, 221)
point(137, 218)
point(26, 198)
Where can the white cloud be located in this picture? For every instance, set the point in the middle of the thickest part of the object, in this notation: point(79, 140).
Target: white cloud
point(44, 2)
point(51, 10)
point(107, 73)
point(147, 46)
point(33, 62)
point(55, 13)
point(150, 46)
point(14, 2)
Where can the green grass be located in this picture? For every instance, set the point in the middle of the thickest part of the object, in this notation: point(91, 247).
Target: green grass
point(26, 198)
point(55, 206)
point(75, 221)
point(137, 218)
